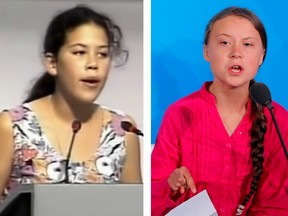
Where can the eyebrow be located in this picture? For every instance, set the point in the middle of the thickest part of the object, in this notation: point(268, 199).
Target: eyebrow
point(227, 35)
point(85, 46)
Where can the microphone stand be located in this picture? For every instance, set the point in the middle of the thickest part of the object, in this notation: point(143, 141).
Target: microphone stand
point(68, 157)
point(76, 125)
point(270, 108)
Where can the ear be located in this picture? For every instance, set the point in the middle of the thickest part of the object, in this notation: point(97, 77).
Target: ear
point(50, 64)
point(262, 57)
point(206, 53)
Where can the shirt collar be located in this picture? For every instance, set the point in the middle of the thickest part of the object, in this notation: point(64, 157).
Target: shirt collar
point(211, 98)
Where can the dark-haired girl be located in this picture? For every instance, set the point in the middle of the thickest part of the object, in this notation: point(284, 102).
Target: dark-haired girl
point(79, 47)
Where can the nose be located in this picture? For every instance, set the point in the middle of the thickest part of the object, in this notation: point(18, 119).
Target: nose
point(92, 63)
point(236, 52)
point(91, 67)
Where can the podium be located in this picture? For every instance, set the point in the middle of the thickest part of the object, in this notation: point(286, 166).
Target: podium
point(74, 200)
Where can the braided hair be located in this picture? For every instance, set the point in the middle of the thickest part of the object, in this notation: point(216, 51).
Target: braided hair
point(257, 133)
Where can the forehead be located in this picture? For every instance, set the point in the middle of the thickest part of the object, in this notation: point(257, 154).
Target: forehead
point(87, 33)
point(234, 25)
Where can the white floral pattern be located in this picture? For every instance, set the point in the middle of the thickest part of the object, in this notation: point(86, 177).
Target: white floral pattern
point(36, 161)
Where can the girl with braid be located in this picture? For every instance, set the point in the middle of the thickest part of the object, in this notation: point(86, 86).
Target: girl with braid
point(217, 138)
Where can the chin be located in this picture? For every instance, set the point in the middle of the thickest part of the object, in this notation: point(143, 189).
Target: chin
point(87, 98)
point(238, 84)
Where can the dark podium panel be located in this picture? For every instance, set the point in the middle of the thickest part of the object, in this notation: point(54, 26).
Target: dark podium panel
point(74, 200)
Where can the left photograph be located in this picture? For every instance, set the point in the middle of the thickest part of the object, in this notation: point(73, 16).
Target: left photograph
point(71, 108)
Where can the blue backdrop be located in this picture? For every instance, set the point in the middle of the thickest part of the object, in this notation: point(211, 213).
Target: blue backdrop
point(178, 66)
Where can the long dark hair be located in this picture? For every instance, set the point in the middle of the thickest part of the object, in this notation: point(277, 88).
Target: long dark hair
point(56, 35)
point(258, 129)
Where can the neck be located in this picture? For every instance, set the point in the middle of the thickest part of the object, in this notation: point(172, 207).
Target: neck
point(69, 110)
point(230, 99)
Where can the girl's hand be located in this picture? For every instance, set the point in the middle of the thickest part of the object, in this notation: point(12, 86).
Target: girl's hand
point(180, 180)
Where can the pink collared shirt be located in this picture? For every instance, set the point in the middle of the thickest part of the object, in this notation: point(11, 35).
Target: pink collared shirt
point(192, 135)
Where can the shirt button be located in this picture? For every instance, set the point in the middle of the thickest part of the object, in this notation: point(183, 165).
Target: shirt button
point(240, 132)
point(228, 145)
point(222, 210)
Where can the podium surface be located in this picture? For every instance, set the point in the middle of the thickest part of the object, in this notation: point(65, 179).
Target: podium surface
point(74, 200)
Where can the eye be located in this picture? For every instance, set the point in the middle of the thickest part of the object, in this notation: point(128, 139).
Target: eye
point(225, 42)
point(248, 44)
point(79, 52)
point(103, 54)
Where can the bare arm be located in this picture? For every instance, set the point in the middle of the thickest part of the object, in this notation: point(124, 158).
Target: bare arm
point(132, 168)
point(6, 149)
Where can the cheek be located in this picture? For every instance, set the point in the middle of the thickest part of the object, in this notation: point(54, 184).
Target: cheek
point(70, 66)
point(105, 68)
point(217, 60)
point(217, 55)
point(252, 67)
point(255, 60)
point(255, 55)
point(68, 74)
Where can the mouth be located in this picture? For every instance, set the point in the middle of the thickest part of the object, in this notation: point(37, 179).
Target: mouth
point(236, 69)
point(91, 82)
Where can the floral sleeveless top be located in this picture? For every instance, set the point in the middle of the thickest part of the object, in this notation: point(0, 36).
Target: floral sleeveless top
point(36, 161)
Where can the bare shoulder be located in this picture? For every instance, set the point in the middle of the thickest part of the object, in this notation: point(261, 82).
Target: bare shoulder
point(119, 113)
point(6, 134)
point(132, 168)
point(5, 123)
point(133, 136)
point(6, 148)
point(40, 104)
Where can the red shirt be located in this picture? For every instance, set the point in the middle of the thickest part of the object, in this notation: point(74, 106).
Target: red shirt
point(192, 135)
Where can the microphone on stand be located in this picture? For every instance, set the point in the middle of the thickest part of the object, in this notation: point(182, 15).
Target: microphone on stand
point(76, 126)
point(128, 127)
point(260, 93)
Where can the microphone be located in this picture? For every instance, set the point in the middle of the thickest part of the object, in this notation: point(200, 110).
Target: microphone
point(76, 126)
point(260, 94)
point(128, 127)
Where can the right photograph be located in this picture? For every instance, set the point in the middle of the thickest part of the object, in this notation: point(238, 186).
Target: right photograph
point(219, 119)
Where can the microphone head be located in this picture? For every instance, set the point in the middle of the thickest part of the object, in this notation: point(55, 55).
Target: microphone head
point(76, 126)
point(260, 93)
point(127, 126)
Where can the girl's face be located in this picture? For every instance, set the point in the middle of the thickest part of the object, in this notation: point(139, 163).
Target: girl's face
point(83, 62)
point(235, 51)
